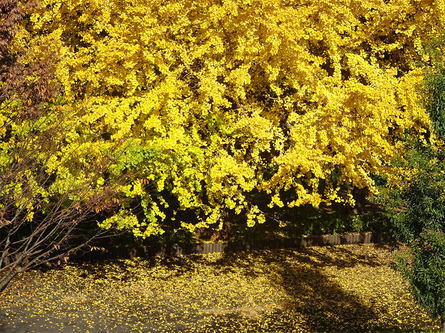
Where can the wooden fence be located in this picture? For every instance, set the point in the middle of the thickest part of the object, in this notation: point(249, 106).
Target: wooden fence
point(241, 245)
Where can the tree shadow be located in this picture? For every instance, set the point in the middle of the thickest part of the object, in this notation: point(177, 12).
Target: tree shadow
point(324, 304)
point(344, 257)
point(300, 277)
point(311, 294)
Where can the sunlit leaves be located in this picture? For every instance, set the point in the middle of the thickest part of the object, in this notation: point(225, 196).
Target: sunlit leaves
point(223, 90)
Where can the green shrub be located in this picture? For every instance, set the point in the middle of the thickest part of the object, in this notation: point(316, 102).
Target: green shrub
point(417, 211)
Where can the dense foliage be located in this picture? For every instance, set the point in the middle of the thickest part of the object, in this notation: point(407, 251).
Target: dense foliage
point(418, 215)
point(218, 100)
point(417, 208)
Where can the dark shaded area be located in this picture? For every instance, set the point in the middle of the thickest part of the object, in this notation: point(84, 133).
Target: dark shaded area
point(124, 247)
point(296, 227)
point(324, 304)
point(295, 222)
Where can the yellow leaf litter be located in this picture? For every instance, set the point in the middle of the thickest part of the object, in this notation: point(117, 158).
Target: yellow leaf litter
point(338, 288)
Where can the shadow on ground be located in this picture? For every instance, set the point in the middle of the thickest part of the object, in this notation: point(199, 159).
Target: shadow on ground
point(323, 304)
point(341, 288)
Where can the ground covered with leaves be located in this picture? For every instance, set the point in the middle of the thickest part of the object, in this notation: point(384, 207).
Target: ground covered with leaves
point(341, 288)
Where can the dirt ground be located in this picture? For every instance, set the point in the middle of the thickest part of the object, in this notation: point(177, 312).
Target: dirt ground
point(348, 288)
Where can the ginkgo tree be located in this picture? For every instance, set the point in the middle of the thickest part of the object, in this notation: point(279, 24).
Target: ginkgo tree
point(221, 98)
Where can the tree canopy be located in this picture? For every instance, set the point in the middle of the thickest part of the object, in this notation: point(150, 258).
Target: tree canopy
point(300, 100)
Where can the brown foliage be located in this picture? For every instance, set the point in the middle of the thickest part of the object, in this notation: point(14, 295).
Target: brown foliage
point(13, 72)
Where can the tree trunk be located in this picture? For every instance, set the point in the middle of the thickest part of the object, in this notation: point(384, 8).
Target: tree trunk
point(6, 278)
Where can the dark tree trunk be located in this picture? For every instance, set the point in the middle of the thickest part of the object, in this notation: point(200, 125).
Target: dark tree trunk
point(5, 279)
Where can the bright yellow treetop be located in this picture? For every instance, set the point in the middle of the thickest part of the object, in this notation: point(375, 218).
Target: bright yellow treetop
point(222, 98)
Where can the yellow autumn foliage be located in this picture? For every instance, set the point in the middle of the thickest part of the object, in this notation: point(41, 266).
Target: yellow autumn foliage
point(222, 98)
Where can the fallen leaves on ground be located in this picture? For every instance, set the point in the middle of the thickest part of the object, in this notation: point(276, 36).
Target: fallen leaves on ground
point(339, 288)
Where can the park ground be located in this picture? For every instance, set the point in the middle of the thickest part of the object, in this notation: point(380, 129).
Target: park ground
point(350, 288)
